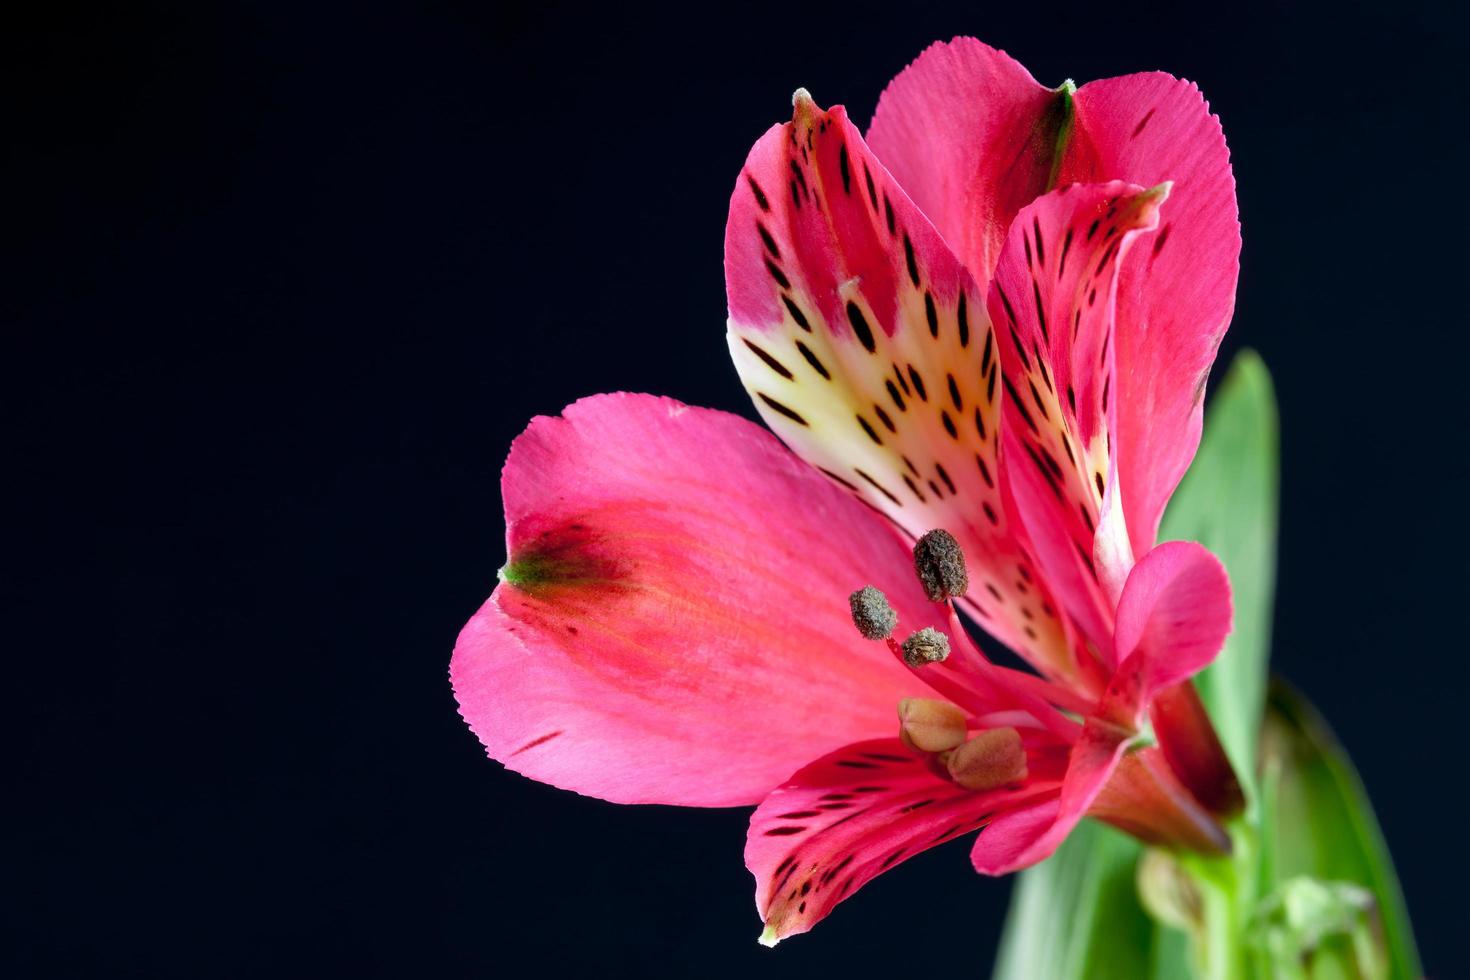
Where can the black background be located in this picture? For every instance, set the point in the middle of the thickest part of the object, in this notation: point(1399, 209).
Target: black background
point(280, 286)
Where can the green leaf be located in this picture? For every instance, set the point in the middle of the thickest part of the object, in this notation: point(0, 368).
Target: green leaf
point(1227, 502)
point(1317, 822)
point(1077, 914)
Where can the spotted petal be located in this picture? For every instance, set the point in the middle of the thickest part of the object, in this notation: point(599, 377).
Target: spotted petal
point(973, 138)
point(848, 817)
point(1053, 299)
point(672, 625)
point(866, 346)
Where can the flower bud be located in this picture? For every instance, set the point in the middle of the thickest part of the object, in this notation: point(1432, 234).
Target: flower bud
point(929, 725)
point(989, 760)
point(1167, 892)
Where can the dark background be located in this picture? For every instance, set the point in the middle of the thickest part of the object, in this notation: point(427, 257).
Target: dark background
point(280, 286)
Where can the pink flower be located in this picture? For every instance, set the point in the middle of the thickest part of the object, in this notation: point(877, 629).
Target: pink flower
point(1002, 330)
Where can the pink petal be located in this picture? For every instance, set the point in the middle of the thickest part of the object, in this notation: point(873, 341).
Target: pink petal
point(1024, 837)
point(847, 818)
point(673, 624)
point(1143, 797)
point(1178, 293)
point(1172, 620)
point(1052, 301)
point(866, 346)
point(973, 138)
point(970, 680)
point(1188, 740)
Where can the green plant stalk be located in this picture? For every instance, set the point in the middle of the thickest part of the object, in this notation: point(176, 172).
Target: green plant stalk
point(1227, 888)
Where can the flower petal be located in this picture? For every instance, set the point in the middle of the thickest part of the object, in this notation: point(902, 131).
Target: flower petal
point(1173, 617)
point(1188, 740)
point(1172, 620)
point(673, 624)
point(1177, 295)
point(1053, 300)
point(1145, 798)
point(970, 680)
point(1025, 836)
point(847, 818)
point(973, 138)
point(866, 346)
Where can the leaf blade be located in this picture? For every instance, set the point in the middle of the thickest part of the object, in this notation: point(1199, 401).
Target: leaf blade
point(1077, 914)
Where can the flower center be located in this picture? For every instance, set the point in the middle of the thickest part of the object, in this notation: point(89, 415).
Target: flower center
point(992, 757)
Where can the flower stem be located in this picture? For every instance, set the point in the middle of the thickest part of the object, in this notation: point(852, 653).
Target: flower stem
point(1226, 889)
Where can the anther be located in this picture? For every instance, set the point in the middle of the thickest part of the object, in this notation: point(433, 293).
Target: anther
point(929, 725)
point(872, 614)
point(927, 646)
point(991, 759)
point(940, 565)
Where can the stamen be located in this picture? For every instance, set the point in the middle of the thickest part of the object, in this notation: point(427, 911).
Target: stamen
point(927, 646)
point(929, 725)
point(940, 565)
point(989, 760)
point(872, 614)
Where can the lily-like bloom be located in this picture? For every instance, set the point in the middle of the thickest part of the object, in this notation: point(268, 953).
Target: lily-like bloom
point(1002, 329)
